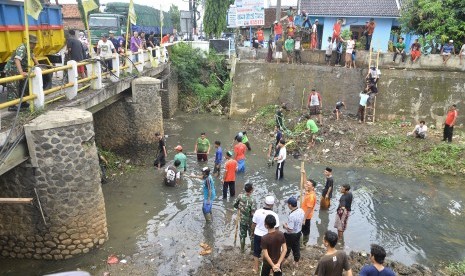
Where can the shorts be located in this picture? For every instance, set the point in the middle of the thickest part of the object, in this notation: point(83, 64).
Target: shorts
point(81, 69)
point(257, 246)
point(277, 37)
point(327, 58)
point(315, 110)
point(279, 55)
point(290, 53)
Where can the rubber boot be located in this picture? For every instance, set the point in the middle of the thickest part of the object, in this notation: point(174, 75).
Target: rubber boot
point(242, 245)
point(304, 241)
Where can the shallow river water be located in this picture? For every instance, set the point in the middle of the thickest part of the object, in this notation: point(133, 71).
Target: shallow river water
point(417, 221)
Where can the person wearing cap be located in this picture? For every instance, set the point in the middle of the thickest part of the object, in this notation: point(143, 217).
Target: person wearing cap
point(218, 159)
point(315, 104)
point(369, 29)
point(400, 50)
point(259, 229)
point(105, 48)
point(308, 206)
point(239, 154)
point(343, 210)
point(229, 178)
point(245, 203)
point(202, 148)
point(160, 161)
point(314, 35)
point(173, 174)
point(181, 157)
point(281, 159)
point(274, 248)
point(449, 123)
point(18, 65)
point(293, 228)
point(327, 193)
point(447, 51)
point(278, 30)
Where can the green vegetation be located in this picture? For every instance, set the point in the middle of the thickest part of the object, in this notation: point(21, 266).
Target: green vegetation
point(267, 110)
point(175, 16)
point(214, 19)
point(456, 269)
point(385, 142)
point(115, 162)
point(444, 156)
point(203, 78)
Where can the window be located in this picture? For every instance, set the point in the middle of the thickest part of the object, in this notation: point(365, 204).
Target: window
point(103, 22)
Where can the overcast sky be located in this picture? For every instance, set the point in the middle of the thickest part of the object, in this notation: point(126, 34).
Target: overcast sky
point(183, 5)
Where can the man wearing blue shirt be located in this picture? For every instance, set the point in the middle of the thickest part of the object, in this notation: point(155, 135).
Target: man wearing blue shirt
point(447, 51)
point(218, 158)
point(377, 256)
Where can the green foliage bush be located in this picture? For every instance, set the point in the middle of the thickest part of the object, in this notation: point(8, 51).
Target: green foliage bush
point(385, 142)
point(456, 269)
point(445, 156)
point(204, 76)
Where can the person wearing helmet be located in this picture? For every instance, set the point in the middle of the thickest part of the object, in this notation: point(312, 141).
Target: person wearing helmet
point(173, 175)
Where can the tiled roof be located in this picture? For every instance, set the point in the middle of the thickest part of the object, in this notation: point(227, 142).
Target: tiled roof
point(70, 11)
point(366, 8)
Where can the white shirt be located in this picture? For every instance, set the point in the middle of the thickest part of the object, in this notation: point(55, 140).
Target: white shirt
point(259, 219)
point(297, 45)
point(294, 222)
point(463, 50)
point(329, 50)
point(350, 46)
point(106, 48)
point(171, 176)
point(364, 99)
point(314, 28)
point(282, 155)
point(314, 100)
point(421, 129)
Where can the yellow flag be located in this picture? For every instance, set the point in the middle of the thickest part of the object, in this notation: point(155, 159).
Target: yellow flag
point(132, 13)
point(33, 8)
point(89, 5)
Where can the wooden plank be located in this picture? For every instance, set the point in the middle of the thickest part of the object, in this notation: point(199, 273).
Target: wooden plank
point(16, 200)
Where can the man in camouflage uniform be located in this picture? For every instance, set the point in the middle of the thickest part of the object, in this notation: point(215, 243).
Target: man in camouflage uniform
point(246, 204)
point(18, 65)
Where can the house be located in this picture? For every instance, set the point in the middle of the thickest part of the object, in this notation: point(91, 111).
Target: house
point(355, 14)
point(71, 17)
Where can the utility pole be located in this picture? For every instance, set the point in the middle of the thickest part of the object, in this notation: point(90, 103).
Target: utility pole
point(190, 11)
point(278, 10)
point(195, 16)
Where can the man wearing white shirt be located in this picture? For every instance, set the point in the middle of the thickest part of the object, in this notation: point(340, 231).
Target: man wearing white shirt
point(361, 108)
point(281, 158)
point(105, 48)
point(420, 130)
point(259, 229)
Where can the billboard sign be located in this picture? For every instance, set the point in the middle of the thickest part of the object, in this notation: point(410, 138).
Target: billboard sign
point(250, 12)
point(232, 15)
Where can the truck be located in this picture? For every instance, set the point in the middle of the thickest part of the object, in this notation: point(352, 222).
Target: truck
point(48, 29)
point(115, 19)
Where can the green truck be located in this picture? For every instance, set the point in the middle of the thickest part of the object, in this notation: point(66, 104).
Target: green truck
point(115, 19)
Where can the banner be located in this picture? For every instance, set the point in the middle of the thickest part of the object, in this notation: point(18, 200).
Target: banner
point(33, 8)
point(88, 5)
point(250, 12)
point(232, 15)
point(132, 13)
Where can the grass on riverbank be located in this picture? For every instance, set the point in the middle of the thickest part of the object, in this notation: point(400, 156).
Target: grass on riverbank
point(116, 164)
point(456, 269)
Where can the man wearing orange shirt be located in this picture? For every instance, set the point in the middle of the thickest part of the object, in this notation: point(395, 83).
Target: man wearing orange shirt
point(165, 39)
point(278, 30)
point(239, 154)
point(260, 36)
point(449, 124)
point(336, 31)
point(308, 205)
point(229, 180)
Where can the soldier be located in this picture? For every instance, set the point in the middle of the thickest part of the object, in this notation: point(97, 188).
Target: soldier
point(18, 65)
point(246, 204)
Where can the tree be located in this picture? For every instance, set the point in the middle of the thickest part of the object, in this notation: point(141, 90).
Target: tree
point(214, 19)
point(175, 17)
point(81, 10)
point(436, 21)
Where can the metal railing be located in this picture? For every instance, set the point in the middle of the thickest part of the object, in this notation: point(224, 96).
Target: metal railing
point(74, 85)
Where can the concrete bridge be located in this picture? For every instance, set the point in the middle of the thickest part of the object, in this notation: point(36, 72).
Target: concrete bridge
point(52, 162)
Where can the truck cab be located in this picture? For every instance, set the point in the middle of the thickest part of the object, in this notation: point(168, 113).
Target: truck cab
point(100, 23)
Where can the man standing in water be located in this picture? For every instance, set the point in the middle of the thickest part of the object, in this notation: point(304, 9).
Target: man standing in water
point(229, 180)
point(160, 161)
point(259, 229)
point(246, 204)
point(343, 211)
point(334, 262)
point(327, 193)
point(281, 158)
point(308, 206)
point(181, 157)
point(173, 174)
point(209, 193)
point(239, 154)
point(202, 148)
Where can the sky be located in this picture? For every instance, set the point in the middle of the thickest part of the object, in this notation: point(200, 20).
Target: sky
point(183, 5)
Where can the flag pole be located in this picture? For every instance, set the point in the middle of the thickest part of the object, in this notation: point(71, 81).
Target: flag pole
point(127, 35)
point(91, 47)
point(28, 49)
point(161, 25)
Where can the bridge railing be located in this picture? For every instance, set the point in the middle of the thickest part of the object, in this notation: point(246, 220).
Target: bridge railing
point(140, 61)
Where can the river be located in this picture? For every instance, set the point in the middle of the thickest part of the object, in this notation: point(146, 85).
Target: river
point(159, 227)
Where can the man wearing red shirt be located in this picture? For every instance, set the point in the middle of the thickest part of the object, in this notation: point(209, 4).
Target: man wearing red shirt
point(336, 31)
point(260, 36)
point(449, 124)
point(278, 30)
point(165, 39)
point(229, 180)
point(239, 154)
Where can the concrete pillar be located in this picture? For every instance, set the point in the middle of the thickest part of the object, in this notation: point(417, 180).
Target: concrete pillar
point(67, 178)
point(96, 84)
point(37, 88)
point(115, 63)
point(71, 92)
point(148, 115)
point(140, 55)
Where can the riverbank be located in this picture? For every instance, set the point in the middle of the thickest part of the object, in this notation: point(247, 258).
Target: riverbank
point(232, 263)
point(384, 146)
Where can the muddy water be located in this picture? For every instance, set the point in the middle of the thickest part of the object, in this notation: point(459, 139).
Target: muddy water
point(417, 221)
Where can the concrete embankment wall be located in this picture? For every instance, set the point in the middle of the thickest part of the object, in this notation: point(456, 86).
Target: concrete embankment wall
point(415, 94)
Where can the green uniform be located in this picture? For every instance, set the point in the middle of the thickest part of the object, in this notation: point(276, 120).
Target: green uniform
point(11, 70)
point(202, 145)
point(312, 126)
point(246, 205)
point(183, 159)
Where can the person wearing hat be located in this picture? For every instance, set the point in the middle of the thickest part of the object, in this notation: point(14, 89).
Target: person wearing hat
point(229, 179)
point(259, 229)
point(181, 157)
point(18, 65)
point(327, 193)
point(293, 228)
point(245, 203)
point(105, 48)
point(447, 51)
point(172, 174)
